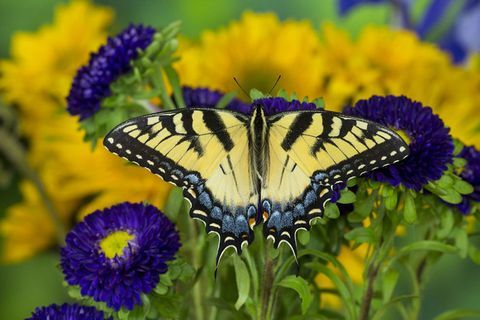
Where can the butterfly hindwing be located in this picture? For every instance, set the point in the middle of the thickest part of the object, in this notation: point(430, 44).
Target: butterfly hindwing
point(310, 152)
point(228, 164)
point(203, 151)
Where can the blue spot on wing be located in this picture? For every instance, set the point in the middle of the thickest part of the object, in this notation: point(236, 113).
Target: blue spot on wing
point(204, 199)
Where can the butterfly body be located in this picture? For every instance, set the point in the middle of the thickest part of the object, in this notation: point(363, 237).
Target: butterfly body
point(239, 171)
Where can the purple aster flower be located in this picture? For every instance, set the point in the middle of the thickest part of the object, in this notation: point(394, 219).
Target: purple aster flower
point(471, 174)
point(117, 254)
point(206, 98)
point(92, 81)
point(431, 146)
point(67, 312)
point(277, 105)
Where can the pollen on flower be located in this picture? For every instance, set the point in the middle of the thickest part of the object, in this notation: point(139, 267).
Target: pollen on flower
point(115, 243)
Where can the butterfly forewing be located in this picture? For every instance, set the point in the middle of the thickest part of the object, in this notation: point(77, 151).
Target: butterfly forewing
point(205, 152)
point(214, 156)
point(311, 151)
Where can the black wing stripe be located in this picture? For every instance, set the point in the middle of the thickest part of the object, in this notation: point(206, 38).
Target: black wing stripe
point(217, 126)
point(327, 121)
point(347, 125)
point(298, 126)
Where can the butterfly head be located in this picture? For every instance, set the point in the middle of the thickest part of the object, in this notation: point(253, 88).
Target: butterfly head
point(258, 119)
point(258, 110)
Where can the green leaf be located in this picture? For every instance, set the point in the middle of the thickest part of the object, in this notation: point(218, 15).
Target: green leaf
point(340, 285)
point(74, 292)
point(409, 211)
point(446, 223)
point(256, 94)
point(462, 186)
point(346, 196)
point(459, 163)
point(225, 100)
point(167, 306)
point(458, 146)
point(361, 235)
point(364, 206)
point(180, 269)
point(428, 245)
point(161, 289)
point(174, 203)
point(221, 304)
point(174, 81)
point(391, 201)
point(445, 181)
point(461, 242)
point(389, 281)
point(474, 254)
point(332, 211)
point(319, 103)
point(243, 281)
point(122, 314)
point(282, 93)
point(458, 314)
point(452, 197)
point(320, 255)
point(165, 280)
point(352, 182)
point(300, 285)
point(381, 311)
point(303, 237)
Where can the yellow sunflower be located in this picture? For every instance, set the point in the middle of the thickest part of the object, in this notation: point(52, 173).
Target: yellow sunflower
point(255, 50)
point(77, 178)
point(330, 64)
point(38, 75)
point(385, 61)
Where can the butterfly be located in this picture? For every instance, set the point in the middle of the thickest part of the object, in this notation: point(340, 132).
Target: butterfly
point(238, 171)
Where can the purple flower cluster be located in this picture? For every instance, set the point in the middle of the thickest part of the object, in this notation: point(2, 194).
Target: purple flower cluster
point(67, 312)
point(276, 105)
point(92, 81)
point(471, 174)
point(206, 98)
point(431, 146)
point(120, 280)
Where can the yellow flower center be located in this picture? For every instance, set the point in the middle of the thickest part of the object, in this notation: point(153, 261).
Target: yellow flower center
point(114, 244)
point(404, 136)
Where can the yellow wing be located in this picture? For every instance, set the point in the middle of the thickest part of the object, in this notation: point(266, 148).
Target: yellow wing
point(204, 151)
point(311, 151)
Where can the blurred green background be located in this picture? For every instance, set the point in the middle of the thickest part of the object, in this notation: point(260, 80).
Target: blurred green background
point(453, 283)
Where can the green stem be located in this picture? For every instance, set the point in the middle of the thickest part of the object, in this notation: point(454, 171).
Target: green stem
point(375, 263)
point(368, 295)
point(175, 83)
point(149, 108)
point(214, 310)
point(16, 154)
point(160, 84)
point(195, 254)
point(253, 273)
point(267, 286)
point(416, 291)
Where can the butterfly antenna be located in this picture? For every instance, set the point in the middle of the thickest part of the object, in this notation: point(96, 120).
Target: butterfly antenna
point(275, 84)
point(241, 88)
